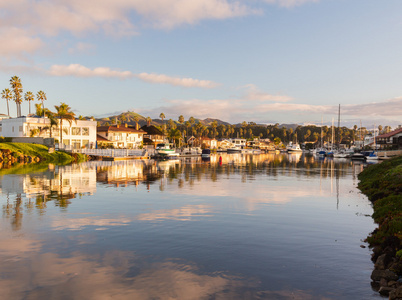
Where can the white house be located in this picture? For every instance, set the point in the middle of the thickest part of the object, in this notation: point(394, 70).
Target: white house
point(121, 136)
point(79, 134)
point(238, 142)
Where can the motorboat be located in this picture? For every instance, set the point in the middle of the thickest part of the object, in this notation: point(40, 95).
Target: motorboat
point(358, 156)
point(164, 150)
point(294, 148)
point(206, 153)
point(234, 150)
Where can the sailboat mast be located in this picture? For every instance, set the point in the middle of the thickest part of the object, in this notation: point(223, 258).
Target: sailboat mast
point(332, 135)
point(339, 124)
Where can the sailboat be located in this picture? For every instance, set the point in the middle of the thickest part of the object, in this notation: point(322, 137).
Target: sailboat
point(338, 153)
point(373, 155)
point(321, 151)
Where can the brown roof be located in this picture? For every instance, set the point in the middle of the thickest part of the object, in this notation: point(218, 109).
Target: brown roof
point(389, 134)
point(118, 128)
point(151, 130)
point(100, 138)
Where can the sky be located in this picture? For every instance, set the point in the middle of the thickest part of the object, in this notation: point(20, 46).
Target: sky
point(263, 61)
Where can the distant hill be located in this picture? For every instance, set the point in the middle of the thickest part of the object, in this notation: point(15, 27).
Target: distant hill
point(128, 117)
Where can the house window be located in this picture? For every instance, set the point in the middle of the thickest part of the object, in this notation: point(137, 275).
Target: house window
point(76, 144)
point(13, 128)
point(21, 128)
point(75, 131)
point(85, 131)
point(85, 143)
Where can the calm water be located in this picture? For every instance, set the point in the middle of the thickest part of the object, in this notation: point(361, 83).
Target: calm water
point(251, 227)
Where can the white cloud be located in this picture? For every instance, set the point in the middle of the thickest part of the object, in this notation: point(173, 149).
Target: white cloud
point(176, 81)
point(82, 71)
point(168, 14)
point(254, 94)
point(265, 110)
point(289, 3)
point(16, 41)
point(104, 72)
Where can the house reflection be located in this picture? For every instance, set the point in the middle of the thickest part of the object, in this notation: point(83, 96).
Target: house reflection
point(23, 193)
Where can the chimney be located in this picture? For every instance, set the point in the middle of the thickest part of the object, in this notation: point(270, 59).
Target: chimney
point(137, 127)
point(125, 125)
point(118, 125)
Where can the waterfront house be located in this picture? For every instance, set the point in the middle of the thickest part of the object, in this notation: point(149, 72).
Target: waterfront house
point(122, 136)
point(79, 134)
point(224, 144)
point(209, 143)
point(152, 135)
point(238, 142)
point(391, 139)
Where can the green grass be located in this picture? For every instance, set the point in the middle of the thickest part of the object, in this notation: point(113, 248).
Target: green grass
point(382, 183)
point(42, 152)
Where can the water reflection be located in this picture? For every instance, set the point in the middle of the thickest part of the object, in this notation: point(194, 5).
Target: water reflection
point(233, 227)
point(60, 184)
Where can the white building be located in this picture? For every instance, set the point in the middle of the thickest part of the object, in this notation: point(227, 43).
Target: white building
point(120, 136)
point(79, 134)
point(238, 142)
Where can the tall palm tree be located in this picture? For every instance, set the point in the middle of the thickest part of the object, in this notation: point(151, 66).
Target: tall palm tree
point(29, 96)
point(41, 96)
point(16, 86)
point(63, 112)
point(136, 120)
point(6, 95)
point(149, 120)
point(162, 116)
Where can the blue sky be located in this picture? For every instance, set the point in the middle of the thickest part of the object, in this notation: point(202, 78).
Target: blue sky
point(266, 61)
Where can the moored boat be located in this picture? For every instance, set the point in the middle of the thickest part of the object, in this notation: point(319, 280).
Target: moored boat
point(358, 156)
point(164, 150)
point(206, 153)
point(294, 148)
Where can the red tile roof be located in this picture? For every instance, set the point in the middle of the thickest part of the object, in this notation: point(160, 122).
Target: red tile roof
point(119, 128)
point(389, 134)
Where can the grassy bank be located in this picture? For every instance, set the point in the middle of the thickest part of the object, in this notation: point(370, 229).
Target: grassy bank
point(382, 183)
point(29, 153)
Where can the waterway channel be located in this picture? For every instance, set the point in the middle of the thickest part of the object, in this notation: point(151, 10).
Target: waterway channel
point(240, 227)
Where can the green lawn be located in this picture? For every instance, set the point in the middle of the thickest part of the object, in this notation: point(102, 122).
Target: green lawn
point(41, 151)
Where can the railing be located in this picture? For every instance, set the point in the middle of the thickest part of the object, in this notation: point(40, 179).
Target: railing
point(113, 152)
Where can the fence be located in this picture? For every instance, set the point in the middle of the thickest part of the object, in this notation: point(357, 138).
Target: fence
point(113, 152)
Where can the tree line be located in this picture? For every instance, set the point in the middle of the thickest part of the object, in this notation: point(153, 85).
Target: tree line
point(63, 111)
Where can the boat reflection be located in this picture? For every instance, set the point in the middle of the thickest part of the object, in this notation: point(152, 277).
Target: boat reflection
point(60, 184)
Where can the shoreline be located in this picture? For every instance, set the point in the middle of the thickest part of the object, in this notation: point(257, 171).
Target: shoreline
point(382, 184)
point(23, 153)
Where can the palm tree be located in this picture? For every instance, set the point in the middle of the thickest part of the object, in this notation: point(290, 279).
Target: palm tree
point(149, 120)
point(16, 86)
point(162, 116)
point(136, 119)
point(41, 96)
point(29, 96)
point(6, 95)
point(63, 112)
point(38, 110)
point(53, 121)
